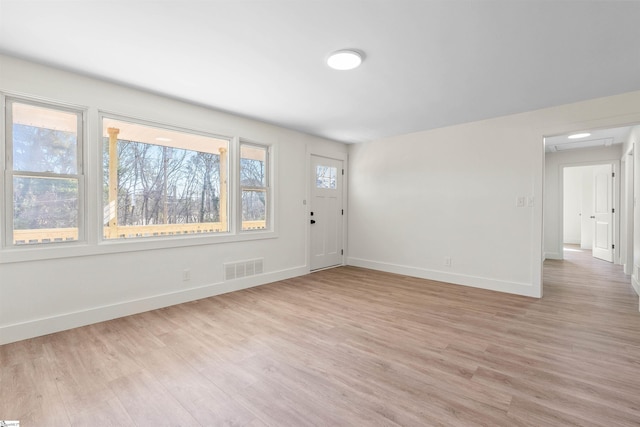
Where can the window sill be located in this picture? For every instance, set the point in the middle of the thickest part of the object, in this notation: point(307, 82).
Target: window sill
point(80, 249)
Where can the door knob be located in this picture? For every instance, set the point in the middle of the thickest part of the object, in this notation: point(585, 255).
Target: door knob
point(313, 221)
point(592, 217)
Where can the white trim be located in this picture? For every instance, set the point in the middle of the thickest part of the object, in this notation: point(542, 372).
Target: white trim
point(3, 165)
point(636, 285)
point(268, 188)
point(537, 227)
point(627, 208)
point(234, 215)
point(553, 255)
point(10, 173)
point(43, 326)
point(572, 242)
point(79, 249)
point(525, 289)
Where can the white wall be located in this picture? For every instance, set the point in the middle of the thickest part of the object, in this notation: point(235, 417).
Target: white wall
point(554, 165)
point(587, 207)
point(418, 198)
point(101, 282)
point(572, 212)
point(578, 206)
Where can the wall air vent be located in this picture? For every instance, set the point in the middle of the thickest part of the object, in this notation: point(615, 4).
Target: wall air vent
point(240, 269)
point(229, 271)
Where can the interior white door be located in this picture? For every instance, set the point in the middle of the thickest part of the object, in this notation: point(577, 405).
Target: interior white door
point(603, 212)
point(326, 212)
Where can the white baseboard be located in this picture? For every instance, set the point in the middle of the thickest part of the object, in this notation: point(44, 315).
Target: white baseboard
point(44, 326)
point(553, 255)
point(525, 289)
point(635, 284)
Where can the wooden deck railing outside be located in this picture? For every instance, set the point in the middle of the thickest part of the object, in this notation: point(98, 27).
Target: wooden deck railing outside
point(48, 235)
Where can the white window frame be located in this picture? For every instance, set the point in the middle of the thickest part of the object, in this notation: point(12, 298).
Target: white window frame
point(269, 227)
point(90, 173)
point(202, 236)
point(6, 150)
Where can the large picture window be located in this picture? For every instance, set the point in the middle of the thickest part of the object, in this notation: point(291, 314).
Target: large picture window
point(44, 173)
point(254, 186)
point(161, 182)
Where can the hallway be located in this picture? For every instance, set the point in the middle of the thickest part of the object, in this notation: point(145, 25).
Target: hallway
point(588, 285)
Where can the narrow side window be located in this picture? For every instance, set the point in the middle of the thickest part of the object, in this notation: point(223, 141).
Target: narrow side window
point(254, 186)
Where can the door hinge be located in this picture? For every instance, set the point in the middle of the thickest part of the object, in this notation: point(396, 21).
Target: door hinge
point(613, 246)
point(341, 251)
point(342, 171)
point(613, 174)
point(342, 211)
point(613, 210)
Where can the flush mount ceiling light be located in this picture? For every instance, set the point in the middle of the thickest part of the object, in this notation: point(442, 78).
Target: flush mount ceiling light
point(345, 59)
point(579, 135)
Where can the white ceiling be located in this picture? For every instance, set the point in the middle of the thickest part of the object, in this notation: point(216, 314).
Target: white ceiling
point(428, 63)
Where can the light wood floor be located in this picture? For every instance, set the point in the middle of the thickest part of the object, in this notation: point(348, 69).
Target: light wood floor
point(348, 346)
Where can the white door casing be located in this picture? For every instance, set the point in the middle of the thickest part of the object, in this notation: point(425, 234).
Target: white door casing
point(627, 211)
point(603, 212)
point(325, 212)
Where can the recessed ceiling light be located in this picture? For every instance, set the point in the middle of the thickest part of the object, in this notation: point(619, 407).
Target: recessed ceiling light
point(163, 139)
point(579, 135)
point(346, 59)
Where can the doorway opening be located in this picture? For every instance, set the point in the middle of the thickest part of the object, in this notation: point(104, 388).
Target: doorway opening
point(588, 212)
point(589, 202)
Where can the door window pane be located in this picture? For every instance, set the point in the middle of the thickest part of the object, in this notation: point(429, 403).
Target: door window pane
point(326, 177)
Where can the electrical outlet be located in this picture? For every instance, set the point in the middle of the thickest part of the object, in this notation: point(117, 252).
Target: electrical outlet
point(530, 201)
point(447, 261)
point(520, 201)
point(186, 275)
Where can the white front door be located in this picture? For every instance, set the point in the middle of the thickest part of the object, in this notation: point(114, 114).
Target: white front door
point(603, 212)
point(326, 212)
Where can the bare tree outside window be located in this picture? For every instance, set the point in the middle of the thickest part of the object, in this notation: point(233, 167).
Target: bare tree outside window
point(45, 145)
point(162, 181)
point(254, 186)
